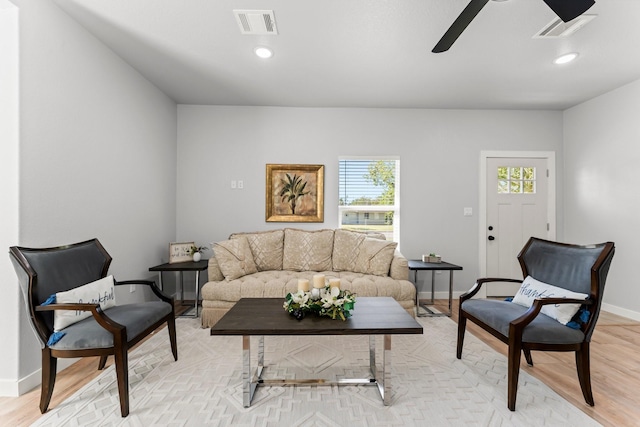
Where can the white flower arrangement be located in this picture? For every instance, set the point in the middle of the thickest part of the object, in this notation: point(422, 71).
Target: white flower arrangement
point(327, 301)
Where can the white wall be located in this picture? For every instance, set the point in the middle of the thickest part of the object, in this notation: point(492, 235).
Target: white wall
point(97, 153)
point(8, 192)
point(439, 161)
point(602, 159)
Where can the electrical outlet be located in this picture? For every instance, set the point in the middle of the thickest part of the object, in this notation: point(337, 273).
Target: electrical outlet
point(240, 184)
point(468, 212)
point(233, 184)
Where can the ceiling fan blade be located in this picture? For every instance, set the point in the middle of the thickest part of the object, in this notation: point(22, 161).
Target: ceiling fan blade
point(568, 10)
point(458, 26)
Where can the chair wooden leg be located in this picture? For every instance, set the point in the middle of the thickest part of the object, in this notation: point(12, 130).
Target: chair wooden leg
point(171, 327)
point(122, 372)
point(462, 324)
point(102, 362)
point(527, 356)
point(49, 366)
point(513, 371)
point(584, 372)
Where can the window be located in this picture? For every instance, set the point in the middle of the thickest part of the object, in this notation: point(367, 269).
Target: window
point(516, 180)
point(368, 200)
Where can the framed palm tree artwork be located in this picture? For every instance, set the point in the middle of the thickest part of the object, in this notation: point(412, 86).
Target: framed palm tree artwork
point(294, 193)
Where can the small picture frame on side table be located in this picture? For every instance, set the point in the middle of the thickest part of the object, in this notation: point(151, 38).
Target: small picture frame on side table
point(180, 252)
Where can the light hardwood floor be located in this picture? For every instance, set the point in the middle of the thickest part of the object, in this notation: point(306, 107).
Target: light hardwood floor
point(615, 375)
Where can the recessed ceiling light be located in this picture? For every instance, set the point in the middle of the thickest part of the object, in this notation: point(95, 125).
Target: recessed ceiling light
point(263, 52)
point(566, 58)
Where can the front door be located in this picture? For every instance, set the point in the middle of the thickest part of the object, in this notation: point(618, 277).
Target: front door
point(517, 209)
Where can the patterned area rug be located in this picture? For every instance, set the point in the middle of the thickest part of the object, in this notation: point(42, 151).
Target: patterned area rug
point(430, 386)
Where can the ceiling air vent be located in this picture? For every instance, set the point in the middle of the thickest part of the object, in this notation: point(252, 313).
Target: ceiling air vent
point(256, 22)
point(559, 28)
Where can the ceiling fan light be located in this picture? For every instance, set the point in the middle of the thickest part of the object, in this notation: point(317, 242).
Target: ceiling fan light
point(566, 58)
point(263, 52)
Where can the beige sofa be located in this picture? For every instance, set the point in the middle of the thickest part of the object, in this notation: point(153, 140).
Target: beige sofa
point(269, 264)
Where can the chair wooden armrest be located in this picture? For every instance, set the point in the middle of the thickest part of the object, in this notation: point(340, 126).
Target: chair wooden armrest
point(101, 317)
point(152, 285)
point(478, 285)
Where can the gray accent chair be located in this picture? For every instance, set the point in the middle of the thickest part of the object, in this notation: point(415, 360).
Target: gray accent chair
point(581, 269)
point(46, 271)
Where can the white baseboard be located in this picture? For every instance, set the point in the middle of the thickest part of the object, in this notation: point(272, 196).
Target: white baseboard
point(634, 315)
point(10, 388)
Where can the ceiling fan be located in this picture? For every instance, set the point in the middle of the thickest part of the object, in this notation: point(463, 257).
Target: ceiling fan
point(565, 9)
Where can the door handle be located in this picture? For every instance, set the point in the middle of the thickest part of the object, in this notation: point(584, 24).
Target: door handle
point(491, 238)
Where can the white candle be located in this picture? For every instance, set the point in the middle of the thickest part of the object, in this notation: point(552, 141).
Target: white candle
point(318, 281)
point(303, 285)
point(334, 283)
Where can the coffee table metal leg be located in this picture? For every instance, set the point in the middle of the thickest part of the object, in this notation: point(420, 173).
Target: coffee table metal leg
point(247, 392)
point(386, 372)
point(249, 383)
point(260, 358)
point(372, 356)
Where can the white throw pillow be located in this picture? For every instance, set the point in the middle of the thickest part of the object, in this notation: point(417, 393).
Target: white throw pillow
point(532, 289)
point(99, 292)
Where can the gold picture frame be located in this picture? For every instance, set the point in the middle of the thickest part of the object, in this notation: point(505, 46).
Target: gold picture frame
point(294, 193)
point(180, 252)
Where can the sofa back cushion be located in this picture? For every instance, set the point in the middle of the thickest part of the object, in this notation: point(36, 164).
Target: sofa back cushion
point(266, 247)
point(346, 247)
point(307, 250)
point(375, 256)
point(234, 258)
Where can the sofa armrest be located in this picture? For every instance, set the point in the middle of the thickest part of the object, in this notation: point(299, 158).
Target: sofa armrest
point(215, 275)
point(399, 269)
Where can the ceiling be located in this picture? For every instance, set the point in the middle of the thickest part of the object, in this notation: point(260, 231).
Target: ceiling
point(367, 53)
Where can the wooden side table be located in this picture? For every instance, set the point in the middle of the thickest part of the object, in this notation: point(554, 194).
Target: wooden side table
point(181, 267)
point(417, 265)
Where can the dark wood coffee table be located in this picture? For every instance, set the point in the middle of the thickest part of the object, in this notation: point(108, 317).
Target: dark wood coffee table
point(265, 316)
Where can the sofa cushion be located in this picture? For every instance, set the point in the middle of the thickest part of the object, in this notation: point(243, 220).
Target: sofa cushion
point(276, 284)
point(346, 247)
point(266, 247)
point(375, 256)
point(234, 258)
point(543, 329)
point(307, 250)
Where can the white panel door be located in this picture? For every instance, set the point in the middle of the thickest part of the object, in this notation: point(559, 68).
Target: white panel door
point(517, 201)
